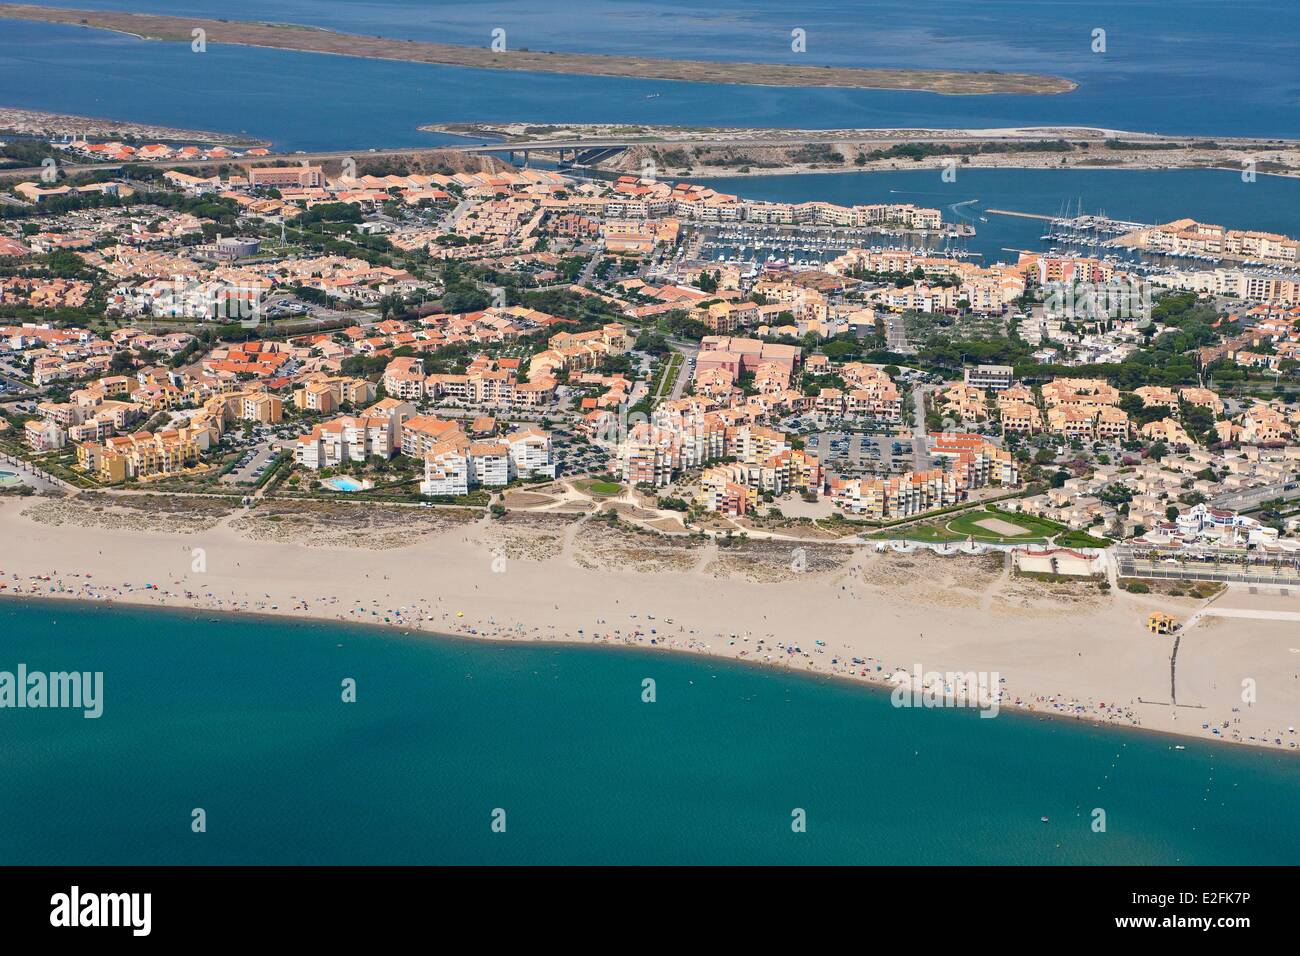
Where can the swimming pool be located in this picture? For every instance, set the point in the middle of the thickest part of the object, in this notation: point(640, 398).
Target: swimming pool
point(9, 479)
point(347, 484)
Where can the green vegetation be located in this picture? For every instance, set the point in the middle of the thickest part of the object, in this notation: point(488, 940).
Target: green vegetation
point(964, 525)
point(1081, 539)
point(665, 377)
point(919, 151)
point(1035, 529)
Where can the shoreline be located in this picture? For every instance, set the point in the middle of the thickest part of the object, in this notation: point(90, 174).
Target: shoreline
point(309, 39)
point(1063, 650)
point(685, 152)
point(20, 121)
point(725, 173)
point(883, 687)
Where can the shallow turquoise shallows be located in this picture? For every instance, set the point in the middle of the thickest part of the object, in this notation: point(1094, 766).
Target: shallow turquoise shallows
point(243, 717)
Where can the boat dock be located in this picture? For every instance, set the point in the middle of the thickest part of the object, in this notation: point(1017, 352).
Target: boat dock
point(1019, 215)
point(1068, 226)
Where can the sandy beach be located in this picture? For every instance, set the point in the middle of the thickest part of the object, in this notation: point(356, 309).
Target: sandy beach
point(1068, 650)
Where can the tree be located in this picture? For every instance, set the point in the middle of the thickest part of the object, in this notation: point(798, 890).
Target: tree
point(65, 265)
point(121, 362)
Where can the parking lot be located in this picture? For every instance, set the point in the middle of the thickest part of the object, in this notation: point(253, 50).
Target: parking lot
point(256, 451)
point(575, 458)
point(848, 453)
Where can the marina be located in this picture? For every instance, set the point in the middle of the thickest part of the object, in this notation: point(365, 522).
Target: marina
point(812, 246)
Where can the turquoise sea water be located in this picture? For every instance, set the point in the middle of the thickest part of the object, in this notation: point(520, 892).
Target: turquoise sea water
point(243, 718)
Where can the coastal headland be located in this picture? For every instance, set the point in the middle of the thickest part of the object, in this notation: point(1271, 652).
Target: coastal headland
point(1063, 649)
point(41, 124)
point(288, 36)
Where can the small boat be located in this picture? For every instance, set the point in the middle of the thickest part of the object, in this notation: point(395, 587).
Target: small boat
point(1179, 747)
point(1044, 819)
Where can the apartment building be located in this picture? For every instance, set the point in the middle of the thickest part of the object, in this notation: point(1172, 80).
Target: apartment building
point(421, 434)
point(995, 377)
point(302, 177)
point(972, 462)
point(447, 468)
point(975, 460)
point(327, 394)
point(900, 496)
point(1083, 392)
point(1187, 237)
point(376, 432)
point(455, 465)
point(530, 453)
point(494, 387)
point(247, 405)
point(1157, 396)
point(650, 455)
point(964, 402)
point(1089, 422)
point(140, 455)
point(44, 435)
point(1018, 416)
point(767, 464)
point(404, 378)
point(720, 493)
point(1166, 430)
point(1202, 398)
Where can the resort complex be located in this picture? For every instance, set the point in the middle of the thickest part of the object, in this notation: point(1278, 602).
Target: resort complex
point(443, 333)
point(341, 441)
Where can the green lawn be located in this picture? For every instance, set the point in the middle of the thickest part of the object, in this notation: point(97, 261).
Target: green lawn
point(604, 488)
point(966, 525)
point(962, 526)
point(1081, 539)
point(930, 533)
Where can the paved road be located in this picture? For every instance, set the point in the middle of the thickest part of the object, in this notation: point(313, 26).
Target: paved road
point(742, 138)
point(921, 460)
point(896, 335)
point(588, 271)
point(453, 217)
